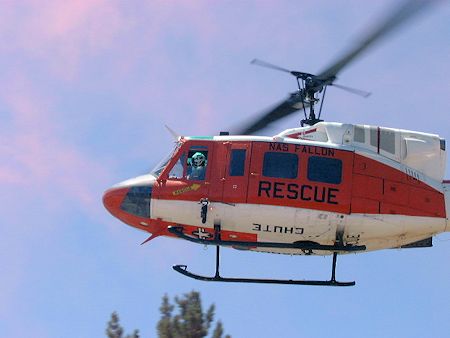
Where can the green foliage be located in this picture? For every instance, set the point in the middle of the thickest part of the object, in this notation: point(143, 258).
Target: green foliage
point(218, 331)
point(164, 326)
point(114, 330)
point(190, 321)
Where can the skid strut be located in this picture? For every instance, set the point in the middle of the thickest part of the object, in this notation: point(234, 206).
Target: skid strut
point(217, 278)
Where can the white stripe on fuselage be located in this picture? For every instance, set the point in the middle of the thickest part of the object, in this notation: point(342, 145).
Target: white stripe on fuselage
point(288, 224)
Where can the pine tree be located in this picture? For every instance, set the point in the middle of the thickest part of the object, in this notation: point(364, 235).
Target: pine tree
point(218, 331)
point(165, 328)
point(190, 322)
point(114, 330)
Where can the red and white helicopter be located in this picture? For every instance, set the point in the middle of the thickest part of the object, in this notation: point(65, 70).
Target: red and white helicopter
point(321, 189)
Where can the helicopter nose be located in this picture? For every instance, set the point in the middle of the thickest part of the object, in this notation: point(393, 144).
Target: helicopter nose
point(113, 198)
point(132, 197)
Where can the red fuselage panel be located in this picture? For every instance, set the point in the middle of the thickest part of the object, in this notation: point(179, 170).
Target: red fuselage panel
point(364, 185)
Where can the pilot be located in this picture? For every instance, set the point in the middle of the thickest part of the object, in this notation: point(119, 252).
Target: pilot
point(197, 167)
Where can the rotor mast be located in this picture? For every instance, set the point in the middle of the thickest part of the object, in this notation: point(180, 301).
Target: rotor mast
point(311, 87)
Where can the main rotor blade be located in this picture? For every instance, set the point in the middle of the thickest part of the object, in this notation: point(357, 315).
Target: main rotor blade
point(359, 92)
point(297, 74)
point(268, 65)
point(285, 108)
point(399, 16)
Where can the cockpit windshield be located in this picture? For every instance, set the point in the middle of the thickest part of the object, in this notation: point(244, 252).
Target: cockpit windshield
point(161, 165)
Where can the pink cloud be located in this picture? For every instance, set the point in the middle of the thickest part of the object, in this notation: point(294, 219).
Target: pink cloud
point(34, 153)
point(60, 32)
point(63, 35)
point(43, 177)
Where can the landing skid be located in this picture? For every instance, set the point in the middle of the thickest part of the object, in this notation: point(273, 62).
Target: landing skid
point(183, 270)
point(217, 278)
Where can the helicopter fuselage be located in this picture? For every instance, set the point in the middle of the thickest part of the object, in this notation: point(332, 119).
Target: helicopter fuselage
point(360, 185)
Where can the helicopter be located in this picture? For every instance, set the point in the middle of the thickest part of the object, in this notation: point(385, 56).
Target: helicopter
point(323, 188)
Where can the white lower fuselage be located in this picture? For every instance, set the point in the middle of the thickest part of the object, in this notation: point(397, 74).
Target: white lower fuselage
point(288, 224)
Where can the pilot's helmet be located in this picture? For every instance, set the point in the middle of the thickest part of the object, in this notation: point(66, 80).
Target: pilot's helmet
point(198, 159)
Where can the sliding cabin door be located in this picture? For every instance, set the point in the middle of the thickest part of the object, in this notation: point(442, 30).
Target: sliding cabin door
point(300, 176)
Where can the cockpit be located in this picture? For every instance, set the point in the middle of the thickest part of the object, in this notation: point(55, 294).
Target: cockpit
point(190, 165)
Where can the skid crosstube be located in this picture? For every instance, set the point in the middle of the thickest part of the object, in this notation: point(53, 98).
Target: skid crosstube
point(178, 231)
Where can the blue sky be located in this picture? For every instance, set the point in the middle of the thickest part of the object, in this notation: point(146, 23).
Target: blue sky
point(85, 91)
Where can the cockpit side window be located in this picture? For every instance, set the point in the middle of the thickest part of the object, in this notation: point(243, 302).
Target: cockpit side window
point(191, 164)
point(197, 163)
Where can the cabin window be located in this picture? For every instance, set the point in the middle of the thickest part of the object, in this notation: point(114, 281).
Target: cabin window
point(237, 162)
point(387, 141)
point(360, 134)
point(324, 169)
point(197, 163)
point(280, 165)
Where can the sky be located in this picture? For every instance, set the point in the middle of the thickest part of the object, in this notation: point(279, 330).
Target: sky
point(86, 89)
